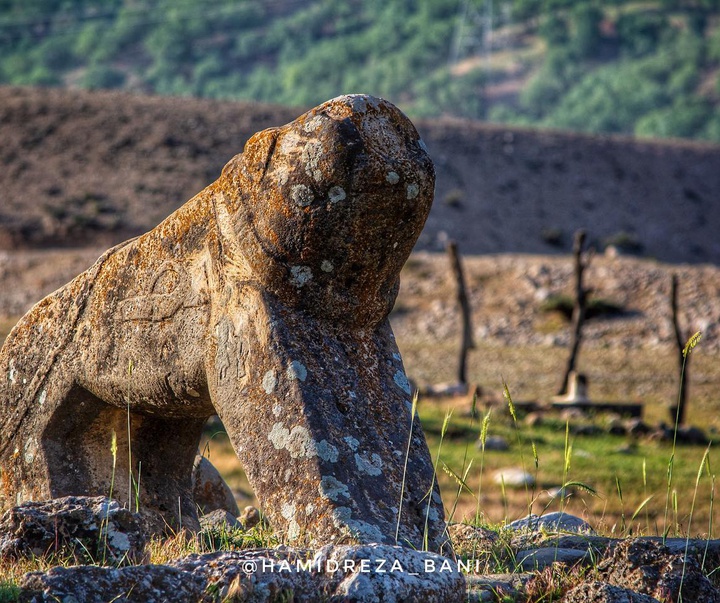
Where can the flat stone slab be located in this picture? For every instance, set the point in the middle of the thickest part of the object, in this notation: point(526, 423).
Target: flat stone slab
point(335, 573)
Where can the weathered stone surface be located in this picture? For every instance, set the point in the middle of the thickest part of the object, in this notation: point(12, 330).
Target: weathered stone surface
point(601, 592)
point(555, 522)
point(361, 574)
point(648, 567)
point(220, 520)
point(91, 584)
point(210, 490)
point(263, 299)
point(539, 559)
point(86, 530)
point(411, 575)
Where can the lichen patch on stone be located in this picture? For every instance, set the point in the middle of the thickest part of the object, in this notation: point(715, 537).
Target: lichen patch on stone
point(302, 195)
point(269, 382)
point(332, 488)
point(401, 381)
point(370, 464)
point(337, 194)
point(300, 275)
point(296, 370)
point(352, 442)
point(327, 451)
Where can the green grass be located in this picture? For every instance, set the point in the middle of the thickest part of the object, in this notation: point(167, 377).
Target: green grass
point(601, 461)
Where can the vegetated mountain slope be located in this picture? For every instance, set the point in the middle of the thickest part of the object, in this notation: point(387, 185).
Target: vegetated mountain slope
point(94, 168)
point(619, 66)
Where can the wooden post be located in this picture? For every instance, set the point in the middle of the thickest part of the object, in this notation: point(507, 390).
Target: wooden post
point(678, 412)
point(579, 307)
point(467, 334)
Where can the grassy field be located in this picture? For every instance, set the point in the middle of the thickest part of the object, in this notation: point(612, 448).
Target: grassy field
point(623, 473)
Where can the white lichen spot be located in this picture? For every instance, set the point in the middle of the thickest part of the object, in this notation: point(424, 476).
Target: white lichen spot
point(42, 397)
point(327, 452)
point(412, 190)
point(309, 509)
point(341, 515)
point(293, 530)
point(313, 124)
point(296, 370)
point(288, 510)
point(402, 381)
point(30, 449)
point(342, 518)
point(392, 177)
point(277, 410)
point(269, 382)
point(300, 443)
point(302, 195)
point(337, 194)
point(300, 275)
point(332, 488)
point(279, 436)
point(118, 540)
point(288, 475)
point(327, 266)
point(365, 531)
point(311, 155)
point(290, 142)
point(12, 373)
point(371, 466)
point(283, 175)
point(352, 442)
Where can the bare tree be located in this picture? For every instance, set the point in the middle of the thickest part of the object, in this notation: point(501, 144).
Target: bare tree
point(678, 412)
point(467, 335)
point(582, 261)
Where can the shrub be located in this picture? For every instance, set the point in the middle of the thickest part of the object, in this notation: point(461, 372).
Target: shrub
point(596, 308)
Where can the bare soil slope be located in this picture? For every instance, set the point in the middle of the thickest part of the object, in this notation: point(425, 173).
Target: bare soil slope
point(82, 167)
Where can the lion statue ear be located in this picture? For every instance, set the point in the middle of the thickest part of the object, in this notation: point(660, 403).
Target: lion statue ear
point(257, 153)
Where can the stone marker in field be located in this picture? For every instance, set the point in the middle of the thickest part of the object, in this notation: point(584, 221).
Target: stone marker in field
point(265, 299)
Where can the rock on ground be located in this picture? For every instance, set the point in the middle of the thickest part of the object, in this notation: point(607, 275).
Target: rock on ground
point(84, 529)
point(335, 573)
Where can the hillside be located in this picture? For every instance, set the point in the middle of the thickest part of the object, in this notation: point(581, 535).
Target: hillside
point(646, 68)
point(93, 168)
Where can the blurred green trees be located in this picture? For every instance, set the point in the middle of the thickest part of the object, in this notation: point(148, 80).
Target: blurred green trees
point(649, 68)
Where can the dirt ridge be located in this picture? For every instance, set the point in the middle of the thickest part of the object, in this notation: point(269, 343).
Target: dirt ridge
point(93, 168)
